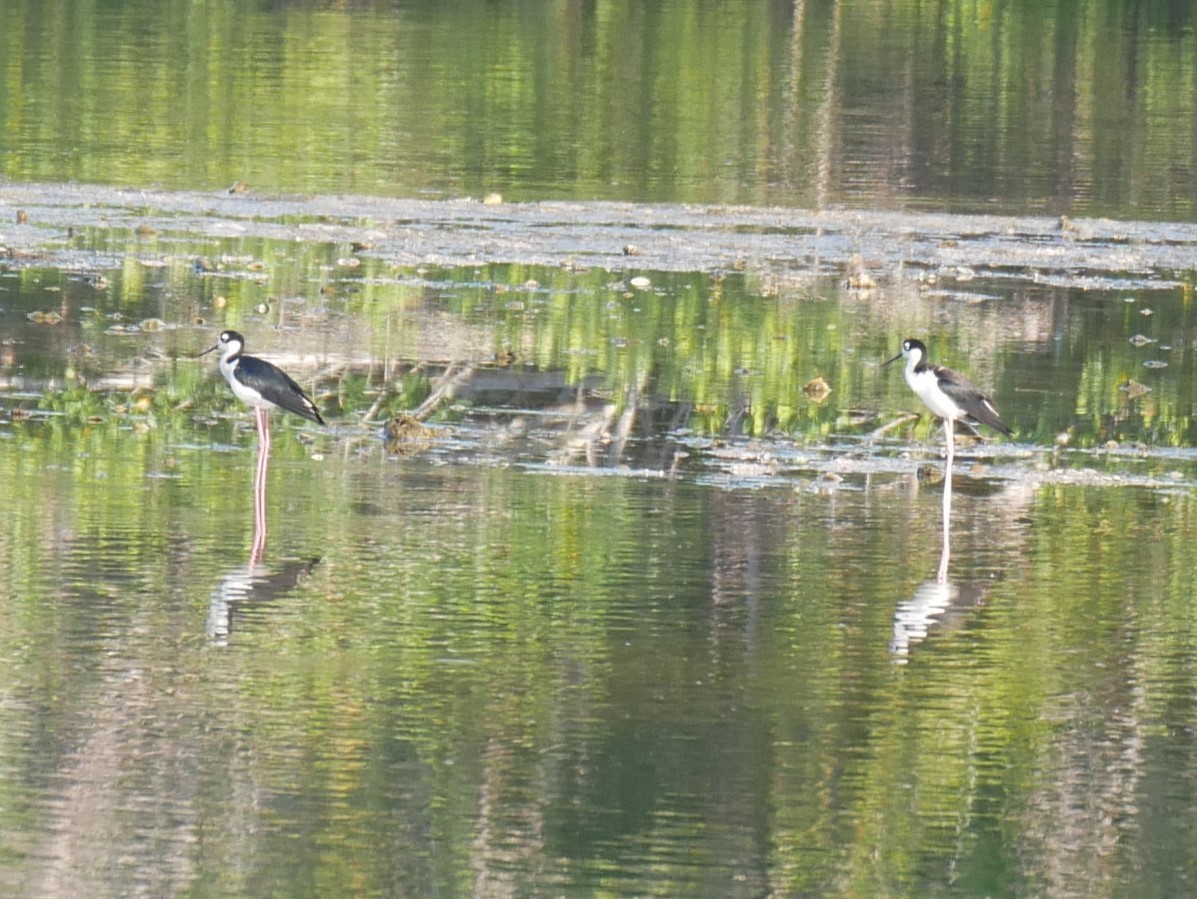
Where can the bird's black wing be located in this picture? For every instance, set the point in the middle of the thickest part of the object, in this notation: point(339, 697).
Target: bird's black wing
point(965, 394)
point(277, 386)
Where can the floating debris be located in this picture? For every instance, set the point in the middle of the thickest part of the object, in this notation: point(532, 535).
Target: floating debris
point(1141, 340)
point(816, 389)
point(239, 187)
point(641, 283)
point(492, 199)
point(405, 434)
point(858, 278)
point(1133, 389)
point(44, 318)
point(151, 325)
point(630, 249)
point(22, 217)
point(1155, 363)
point(405, 427)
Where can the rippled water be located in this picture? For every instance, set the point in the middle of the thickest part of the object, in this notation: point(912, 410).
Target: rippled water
point(630, 611)
point(615, 569)
point(455, 677)
point(1081, 110)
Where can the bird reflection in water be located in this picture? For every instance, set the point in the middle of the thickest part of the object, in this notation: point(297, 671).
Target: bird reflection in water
point(951, 397)
point(914, 616)
point(937, 602)
point(263, 386)
point(257, 582)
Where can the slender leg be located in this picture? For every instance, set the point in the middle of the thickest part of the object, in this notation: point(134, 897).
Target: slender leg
point(259, 545)
point(950, 437)
point(262, 423)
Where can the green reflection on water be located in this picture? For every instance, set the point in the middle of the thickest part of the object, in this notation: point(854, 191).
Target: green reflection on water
point(1024, 107)
point(550, 681)
point(492, 680)
point(718, 354)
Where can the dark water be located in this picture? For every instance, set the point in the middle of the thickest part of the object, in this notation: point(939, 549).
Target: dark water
point(451, 677)
point(1083, 109)
point(636, 607)
point(634, 614)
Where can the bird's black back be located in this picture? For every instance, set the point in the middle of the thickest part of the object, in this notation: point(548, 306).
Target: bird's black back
point(967, 396)
point(268, 380)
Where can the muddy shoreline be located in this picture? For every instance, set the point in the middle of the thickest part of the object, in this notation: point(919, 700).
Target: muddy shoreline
point(789, 244)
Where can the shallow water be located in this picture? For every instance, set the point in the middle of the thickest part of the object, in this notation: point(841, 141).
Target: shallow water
point(615, 569)
point(630, 611)
point(455, 676)
point(1083, 109)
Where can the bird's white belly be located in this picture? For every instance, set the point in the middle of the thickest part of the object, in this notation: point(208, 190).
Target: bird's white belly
point(250, 397)
point(940, 404)
point(243, 393)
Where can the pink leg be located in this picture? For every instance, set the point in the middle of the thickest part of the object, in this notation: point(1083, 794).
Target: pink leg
point(259, 544)
point(941, 576)
point(259, 507)
point(262, 423)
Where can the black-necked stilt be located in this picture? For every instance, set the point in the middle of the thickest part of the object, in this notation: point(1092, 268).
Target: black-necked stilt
point(948, 394)
point(260, 384)
point(953, 397)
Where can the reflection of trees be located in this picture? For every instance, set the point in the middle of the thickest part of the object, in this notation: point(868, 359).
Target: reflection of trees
point(715, 355)
point(503, 680)
point(1039, 107)
point(1086, 802)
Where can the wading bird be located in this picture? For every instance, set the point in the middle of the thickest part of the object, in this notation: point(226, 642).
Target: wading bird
point(948, 394)
point(264, 386)
point(953, 397)
point(260, 384)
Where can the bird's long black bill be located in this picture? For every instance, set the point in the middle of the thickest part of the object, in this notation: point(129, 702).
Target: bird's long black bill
point(207, 351)
point(888, 361)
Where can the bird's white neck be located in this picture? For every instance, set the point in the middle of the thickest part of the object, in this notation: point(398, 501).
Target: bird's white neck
point(912, 362)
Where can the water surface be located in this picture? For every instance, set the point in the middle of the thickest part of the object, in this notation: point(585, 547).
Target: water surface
point(452, 677)
point(615, 569)
point(629, 609)
point(1080, 109)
